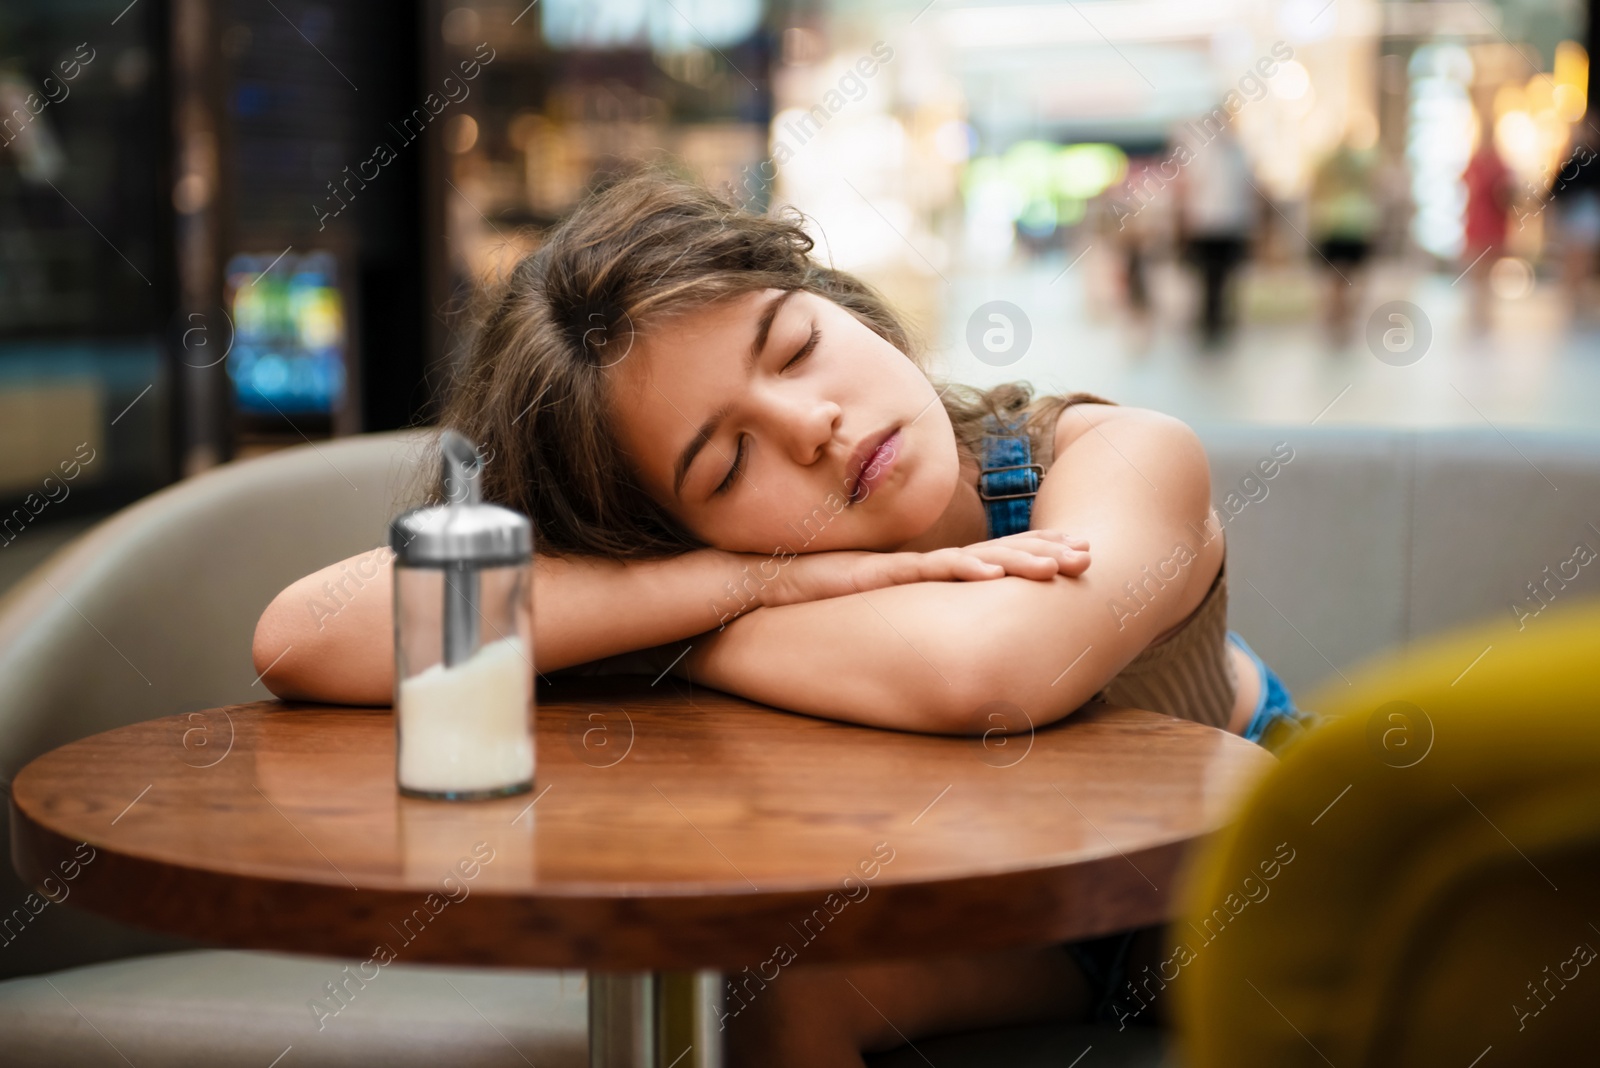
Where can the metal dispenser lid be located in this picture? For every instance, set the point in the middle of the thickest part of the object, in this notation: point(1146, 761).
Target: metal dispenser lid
point(463, 531)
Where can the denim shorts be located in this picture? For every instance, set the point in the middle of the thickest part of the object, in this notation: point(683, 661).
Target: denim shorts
point(1276, 721)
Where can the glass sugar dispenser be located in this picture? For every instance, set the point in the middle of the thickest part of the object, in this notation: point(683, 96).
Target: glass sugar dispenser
point(463, 640)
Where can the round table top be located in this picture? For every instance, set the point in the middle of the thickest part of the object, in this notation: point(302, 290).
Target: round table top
point(668, 829)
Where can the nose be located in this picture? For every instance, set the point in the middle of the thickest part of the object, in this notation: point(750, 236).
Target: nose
point(803, 424)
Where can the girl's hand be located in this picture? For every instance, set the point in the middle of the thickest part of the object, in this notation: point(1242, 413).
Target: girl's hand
point(1033, 554)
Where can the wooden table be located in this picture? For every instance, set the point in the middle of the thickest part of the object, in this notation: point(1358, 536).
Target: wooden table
point(673, 836)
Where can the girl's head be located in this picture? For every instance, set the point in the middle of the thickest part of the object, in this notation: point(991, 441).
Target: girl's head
point(669, 371)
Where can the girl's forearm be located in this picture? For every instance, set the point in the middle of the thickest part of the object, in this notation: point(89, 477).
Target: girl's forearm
point(932, 657)
point(329, 636)
point(937, 656)
point(588, 609)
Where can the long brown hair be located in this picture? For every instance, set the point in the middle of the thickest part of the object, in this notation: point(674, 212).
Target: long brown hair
point(531, 391)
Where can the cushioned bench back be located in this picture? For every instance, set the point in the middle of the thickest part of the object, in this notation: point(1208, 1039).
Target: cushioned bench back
point(1369, 539)
point(152, 613)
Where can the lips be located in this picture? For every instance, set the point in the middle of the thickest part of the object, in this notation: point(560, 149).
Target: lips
point(871, 462)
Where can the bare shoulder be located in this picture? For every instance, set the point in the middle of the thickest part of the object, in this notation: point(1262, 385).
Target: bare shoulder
point(1136, 483)
point(1120, 423)
point(1098, 444)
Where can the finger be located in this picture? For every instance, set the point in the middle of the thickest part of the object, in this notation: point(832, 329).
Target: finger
point(1060, 552)
point(1075, 566)
point(957, 565)
point(922, 567)
point(970, 568)
point(1020, 563)
point(981, 570)
point(893, 569)
point(1033, 544)
point(1067, 561)
point(1047, 534)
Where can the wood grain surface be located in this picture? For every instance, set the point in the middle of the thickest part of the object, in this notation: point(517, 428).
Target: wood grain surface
point(668, 828)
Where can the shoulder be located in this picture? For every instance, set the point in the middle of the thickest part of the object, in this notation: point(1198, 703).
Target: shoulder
point(1160, 449)
point(1137, 485)
point(1120, 422)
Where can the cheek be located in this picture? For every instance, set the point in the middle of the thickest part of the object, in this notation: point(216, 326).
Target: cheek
point(936, 472)
point(890, 385)
point(790, 511)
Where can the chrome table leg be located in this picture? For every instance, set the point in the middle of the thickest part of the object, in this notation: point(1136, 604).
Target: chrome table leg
point(655, 1020)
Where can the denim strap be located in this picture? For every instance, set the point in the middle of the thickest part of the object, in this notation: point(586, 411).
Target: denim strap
point(1009, 478)
point(1276, 721)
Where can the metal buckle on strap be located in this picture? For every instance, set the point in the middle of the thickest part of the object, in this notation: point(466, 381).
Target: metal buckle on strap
point(1038, 473)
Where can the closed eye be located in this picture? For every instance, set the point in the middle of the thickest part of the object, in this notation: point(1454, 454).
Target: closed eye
point(805, 350)
point(733, 470)
point(738, 458)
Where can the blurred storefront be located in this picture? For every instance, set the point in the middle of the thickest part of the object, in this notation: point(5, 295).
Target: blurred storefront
point(172, 296)
point(229, 226)
point(581, 91)
point(998, 127)
point(85, 257)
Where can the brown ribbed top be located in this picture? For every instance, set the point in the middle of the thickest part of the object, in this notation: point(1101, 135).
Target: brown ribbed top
point(1189, 673)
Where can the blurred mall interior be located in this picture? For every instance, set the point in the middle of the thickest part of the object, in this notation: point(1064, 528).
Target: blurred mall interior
point(230, 226)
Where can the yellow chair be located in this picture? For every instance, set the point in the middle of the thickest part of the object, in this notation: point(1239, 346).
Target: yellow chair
point(1419, 882)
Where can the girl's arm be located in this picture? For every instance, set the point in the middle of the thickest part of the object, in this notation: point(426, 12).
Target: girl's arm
point(933, 657)
point(329, 636)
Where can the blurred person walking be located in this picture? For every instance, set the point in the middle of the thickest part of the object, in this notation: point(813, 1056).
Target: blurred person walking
point(1135, 233)
point(1576, 192)
point(1137, 218)
point(1133, 216)
point(1344, 218)
point(1216, 221)
point(1489, 190)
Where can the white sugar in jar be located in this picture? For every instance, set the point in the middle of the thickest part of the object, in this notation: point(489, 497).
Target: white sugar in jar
point(464, 699)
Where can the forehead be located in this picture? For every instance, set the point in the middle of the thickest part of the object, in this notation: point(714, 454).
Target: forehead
point(682, 367)
point(701, 342)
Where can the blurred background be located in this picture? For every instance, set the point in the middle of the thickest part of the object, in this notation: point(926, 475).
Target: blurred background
point(232, 226)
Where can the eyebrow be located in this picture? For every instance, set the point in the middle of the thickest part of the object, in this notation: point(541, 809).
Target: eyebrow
point(691, 450)
point(764, 324)
point(702, 435)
